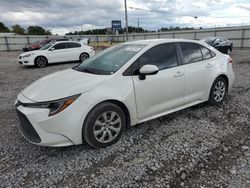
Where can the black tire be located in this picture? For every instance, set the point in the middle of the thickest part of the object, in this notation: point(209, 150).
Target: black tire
point(83, 56)
point(217, 95)
point(41, 62)
point(91, 125)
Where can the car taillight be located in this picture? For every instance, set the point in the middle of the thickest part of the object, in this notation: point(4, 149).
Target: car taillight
point(230, 60)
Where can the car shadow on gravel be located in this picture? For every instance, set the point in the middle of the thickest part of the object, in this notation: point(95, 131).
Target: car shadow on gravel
point(52, 65)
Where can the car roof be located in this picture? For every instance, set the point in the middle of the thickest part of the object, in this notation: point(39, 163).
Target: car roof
point(57, 42)
point(159, 41)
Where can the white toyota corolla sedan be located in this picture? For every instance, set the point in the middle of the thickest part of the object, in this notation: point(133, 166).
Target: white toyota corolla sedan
point(56, 52)
point(120, 87)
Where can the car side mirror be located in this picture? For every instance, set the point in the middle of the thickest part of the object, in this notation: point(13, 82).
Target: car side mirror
point(147, 70)
point(52, 49)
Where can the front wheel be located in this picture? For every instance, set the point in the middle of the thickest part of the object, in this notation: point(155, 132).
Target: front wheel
point(218, 91)
point(104, 125)
point(41, 62)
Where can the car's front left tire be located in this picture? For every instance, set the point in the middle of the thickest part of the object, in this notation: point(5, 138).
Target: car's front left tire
point(104, 125)
point(41, 61)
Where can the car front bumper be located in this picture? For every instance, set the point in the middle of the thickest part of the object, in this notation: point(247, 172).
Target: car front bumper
point(62, 129)
point(26, 61)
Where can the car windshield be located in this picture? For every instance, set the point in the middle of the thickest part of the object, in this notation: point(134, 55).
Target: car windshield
point(47, 46)
point(110, 60)
point(209, 41)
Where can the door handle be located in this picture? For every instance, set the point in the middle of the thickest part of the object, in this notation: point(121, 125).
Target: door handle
point(179, 73)
point(208, 65)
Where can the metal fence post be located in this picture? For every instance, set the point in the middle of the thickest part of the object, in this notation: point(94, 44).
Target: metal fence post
point(28, 39)
point(242, 38)
point(173, 35)
point(195, 35)
point(7, 44)
point(215, 33)
point(158, 35)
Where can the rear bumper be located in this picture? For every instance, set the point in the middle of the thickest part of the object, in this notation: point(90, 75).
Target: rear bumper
point(231, 77)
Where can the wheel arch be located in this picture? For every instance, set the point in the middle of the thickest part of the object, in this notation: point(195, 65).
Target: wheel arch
point(222, 76)
point(84, 53)
point(118, 103)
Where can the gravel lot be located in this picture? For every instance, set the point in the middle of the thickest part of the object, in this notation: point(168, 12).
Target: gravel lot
point(202, 146)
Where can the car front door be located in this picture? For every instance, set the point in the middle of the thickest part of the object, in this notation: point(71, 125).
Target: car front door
point(197, 71)
point(163, 91)
point(58, 53)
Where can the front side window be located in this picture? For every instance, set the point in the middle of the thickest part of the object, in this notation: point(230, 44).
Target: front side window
point(59, 46)
point(163, 56)
point(110, 60)
point(191, 52)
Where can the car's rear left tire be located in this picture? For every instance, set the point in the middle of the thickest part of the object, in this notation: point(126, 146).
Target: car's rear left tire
point(83, 56)
point(104, 125)
point(41, 61)
point(218, 91)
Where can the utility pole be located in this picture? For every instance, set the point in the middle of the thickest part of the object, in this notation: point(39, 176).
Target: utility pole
point(126, 19)
point(138, 23)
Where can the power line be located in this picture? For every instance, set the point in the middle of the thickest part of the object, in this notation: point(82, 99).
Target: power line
point(177, 14)
point(161, 11)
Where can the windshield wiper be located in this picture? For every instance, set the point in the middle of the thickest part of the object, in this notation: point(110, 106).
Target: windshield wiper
point(88, 70)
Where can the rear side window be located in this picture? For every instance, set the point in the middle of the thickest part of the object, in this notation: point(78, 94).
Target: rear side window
point(205, 53)
point(191, 52)
point(163, 56)
point(73, 45)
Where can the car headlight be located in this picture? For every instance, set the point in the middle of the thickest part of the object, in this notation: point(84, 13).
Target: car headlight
point(55, 106)
point(27, 55)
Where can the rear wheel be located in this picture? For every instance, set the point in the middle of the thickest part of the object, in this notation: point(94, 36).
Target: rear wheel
point(218, 91)
point(104, 125)
point(83, 56)
point(41, 62)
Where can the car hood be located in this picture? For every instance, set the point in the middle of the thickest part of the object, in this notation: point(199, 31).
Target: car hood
point(62, 84)
point(35, 52)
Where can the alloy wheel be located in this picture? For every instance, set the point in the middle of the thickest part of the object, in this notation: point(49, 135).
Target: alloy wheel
point(41, 61)
point(107, 127)
point(83, 56)
point(219, 91)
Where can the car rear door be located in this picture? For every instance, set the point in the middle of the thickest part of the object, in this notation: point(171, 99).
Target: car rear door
point(74, 51)
point(197, 71)
point(163, 91)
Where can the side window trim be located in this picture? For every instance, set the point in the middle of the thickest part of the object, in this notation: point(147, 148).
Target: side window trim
point(129, 71)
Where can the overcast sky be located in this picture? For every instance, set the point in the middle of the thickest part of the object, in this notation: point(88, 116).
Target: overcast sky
point(69, 15)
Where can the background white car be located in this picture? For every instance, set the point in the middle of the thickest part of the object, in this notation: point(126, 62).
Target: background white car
point(57, 52)
point(122, 86)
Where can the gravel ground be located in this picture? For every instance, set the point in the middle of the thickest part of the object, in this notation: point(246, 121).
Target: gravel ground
point(202, 146)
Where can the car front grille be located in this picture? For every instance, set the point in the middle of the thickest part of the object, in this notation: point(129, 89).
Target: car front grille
point(27, 129)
